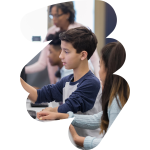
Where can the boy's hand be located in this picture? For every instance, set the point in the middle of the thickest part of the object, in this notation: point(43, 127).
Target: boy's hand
point(50, 109)
point(32, 91)
point(46, 115)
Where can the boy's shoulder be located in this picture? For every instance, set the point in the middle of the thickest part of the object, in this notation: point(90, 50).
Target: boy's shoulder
point(90, 78)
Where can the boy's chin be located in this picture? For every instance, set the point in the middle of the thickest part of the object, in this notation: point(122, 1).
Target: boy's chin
point(67, 68)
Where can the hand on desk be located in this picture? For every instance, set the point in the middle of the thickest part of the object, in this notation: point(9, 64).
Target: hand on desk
point(50, 109)
point(47, 115)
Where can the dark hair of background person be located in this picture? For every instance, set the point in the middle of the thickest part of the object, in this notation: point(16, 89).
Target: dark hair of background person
point(67, 7)
point(113, 56)
point(81, 38)
point(56, 42)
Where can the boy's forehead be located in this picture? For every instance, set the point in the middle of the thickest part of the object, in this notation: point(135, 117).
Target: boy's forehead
point(65, 44)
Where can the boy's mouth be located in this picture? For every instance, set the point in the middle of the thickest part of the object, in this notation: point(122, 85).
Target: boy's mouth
point(63, 63)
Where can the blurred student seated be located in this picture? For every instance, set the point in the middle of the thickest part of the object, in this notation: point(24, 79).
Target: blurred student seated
point(54, 52)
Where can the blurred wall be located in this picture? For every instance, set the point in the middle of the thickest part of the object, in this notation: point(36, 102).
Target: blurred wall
point(100, 24)
point(105, 23)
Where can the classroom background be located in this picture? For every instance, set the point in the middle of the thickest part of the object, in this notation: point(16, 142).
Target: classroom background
point(99, 16)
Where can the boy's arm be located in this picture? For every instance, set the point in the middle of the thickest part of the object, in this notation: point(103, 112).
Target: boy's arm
point(83, 99)
point(51, 92)
point(31, 90)
point(47, 93)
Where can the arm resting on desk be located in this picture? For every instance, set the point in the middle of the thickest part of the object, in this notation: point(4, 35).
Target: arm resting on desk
point(31, 90)
point(46, 115)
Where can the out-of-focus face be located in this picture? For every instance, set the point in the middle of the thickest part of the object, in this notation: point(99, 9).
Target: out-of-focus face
point(102, 72)
point(54, 56)
point(68, 56)
point(62, 18)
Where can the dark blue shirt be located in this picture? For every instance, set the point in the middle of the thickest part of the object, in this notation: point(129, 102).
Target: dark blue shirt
point(78, 96)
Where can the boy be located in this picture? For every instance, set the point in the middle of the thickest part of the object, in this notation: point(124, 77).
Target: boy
point(54, 52)
point(79, 91)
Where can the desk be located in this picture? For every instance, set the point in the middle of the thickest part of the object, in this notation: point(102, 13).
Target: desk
point(38, 109)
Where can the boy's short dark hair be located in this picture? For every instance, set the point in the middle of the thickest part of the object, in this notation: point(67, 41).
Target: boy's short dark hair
point(81, 39)
point(56, 42)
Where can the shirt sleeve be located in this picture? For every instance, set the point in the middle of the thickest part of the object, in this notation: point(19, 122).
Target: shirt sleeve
point(82, 99)
point(50, 93)
point(114, 110)
point(91, 142)
point(91, 122)
point(40, 64)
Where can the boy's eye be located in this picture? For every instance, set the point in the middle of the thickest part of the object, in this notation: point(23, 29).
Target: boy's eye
point(66, 52)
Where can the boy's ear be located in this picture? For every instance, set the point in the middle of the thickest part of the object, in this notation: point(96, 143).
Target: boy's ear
point(84, 55)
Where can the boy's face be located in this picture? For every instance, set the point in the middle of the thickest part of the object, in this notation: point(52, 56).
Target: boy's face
point(54, 55)
point(68, 56)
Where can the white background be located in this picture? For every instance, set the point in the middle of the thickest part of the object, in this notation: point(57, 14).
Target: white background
point(35, 24)
point(19, 131)
point(85, 12)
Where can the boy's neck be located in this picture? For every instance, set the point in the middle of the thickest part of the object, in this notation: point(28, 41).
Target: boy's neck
point(81, 71)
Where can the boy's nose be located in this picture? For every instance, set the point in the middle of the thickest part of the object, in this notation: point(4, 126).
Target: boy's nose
point(61, 55)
